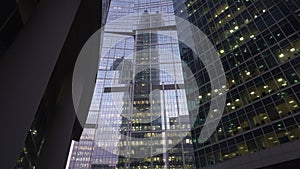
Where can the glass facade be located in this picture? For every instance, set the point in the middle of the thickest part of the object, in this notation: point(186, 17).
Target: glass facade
point(259, 43)
point(139, 116)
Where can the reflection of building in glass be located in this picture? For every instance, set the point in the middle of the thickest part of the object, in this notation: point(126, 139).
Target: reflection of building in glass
point(259, 44)
point(139, 110)
point(147, 108)
point(140, 107)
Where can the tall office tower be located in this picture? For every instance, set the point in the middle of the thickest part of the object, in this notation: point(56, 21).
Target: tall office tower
point(258, 42)
point(139, 116)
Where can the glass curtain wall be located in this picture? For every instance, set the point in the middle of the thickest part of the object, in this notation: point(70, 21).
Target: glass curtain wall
point(139, 107)
point(258, 42)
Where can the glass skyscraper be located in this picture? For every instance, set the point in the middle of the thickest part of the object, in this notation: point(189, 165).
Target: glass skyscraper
point(258, 42)
point(141, 100)
point(139, 116)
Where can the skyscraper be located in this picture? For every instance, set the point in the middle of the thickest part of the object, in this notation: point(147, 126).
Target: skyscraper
point(139, 108)
point(137, 101)
point(259, 44)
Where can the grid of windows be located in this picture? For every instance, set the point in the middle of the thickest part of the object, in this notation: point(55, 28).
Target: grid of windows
point(101, 144)
point(259, 43)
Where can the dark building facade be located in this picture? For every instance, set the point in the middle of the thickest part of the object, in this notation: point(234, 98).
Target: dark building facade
point(14, 15)
point(258, 42)
point(40, 42)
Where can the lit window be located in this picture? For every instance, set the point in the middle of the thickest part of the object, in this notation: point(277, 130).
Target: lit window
point(292, 101)
point(281, 55)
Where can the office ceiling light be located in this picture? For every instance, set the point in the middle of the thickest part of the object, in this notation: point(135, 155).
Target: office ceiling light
point(281, 55)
